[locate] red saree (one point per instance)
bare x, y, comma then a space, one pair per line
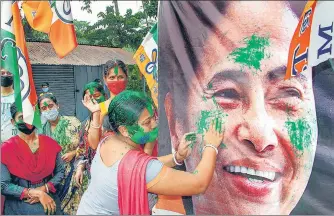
21, 162
132, 192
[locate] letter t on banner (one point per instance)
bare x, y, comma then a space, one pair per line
312, 42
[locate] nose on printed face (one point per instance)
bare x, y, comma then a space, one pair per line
257, 129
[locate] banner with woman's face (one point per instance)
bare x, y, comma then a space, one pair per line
227, 60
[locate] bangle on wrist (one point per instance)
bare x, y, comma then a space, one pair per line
96, 111
94, 126
175, 161
211, 146
47, 188
29, 195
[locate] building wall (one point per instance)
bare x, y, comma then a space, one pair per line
66, 83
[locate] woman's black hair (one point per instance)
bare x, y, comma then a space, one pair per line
126, 107
113, 63
95, 85
47, 95
13, 110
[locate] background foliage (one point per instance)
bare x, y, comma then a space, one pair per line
112, 30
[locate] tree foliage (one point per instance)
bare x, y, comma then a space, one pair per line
112, 30
115, 30
135, 80
150, 7
86, 6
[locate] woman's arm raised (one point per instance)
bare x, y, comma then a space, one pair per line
95, 127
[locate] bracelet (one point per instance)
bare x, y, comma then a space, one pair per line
47, 188
211, 146
96, 111
93, 126
29, 195
175, 161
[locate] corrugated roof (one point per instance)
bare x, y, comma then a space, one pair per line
43, 53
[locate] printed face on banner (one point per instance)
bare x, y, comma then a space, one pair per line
267, 154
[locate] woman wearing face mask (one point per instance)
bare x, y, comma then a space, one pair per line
31, 171
7, 98
45, 88
129, 174
115, 78
65, 130
85, 154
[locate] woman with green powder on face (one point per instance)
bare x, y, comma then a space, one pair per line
85, 154
65, 130
115, 77
94, 93
127, 170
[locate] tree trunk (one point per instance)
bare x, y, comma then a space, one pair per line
145, 13
116, 7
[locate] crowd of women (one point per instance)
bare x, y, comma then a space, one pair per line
106, 164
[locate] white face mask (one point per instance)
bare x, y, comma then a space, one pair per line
51, 115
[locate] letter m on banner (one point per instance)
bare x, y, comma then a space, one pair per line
312, 42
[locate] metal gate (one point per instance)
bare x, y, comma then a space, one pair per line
61, 80
83, 75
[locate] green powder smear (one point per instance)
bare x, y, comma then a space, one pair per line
210, 85
46, 104
300, 133
192, 138
91, 90
222, 146
206, 118
195, 172
150, 109
116, 71
252, 54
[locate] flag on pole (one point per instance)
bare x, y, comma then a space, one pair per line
146, 58
54, 18
312, 42
15, 59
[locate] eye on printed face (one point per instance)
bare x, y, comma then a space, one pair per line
270, 126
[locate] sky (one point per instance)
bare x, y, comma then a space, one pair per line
99, 6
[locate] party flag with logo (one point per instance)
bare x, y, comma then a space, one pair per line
312, 42
15, 59
54, 18
146, 58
